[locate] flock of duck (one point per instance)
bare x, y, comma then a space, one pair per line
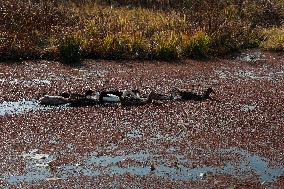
125, 97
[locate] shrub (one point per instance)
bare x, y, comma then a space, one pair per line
69, 50
198, 45
167, 51
108, 43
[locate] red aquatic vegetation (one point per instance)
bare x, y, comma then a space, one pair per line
248, 115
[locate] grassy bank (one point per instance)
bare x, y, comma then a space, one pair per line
71, 30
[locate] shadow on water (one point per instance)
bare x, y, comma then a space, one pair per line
37, 167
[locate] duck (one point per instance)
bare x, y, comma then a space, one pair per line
103, 97
53, 100
65, 94
206, 94
78, 100
136, 100
113, 92
111, 96
114, 96
88, 93
131, 93
188, 95
157, 96
182, 95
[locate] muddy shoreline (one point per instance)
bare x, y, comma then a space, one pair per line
236, 141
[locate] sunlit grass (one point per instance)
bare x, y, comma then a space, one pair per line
274, 39
198, 45
36, 29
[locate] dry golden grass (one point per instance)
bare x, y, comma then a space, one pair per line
143, 29
273, 39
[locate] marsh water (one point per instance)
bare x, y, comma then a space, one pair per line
169, 141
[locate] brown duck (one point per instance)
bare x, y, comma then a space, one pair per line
189, 95
78, 100
136, 100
